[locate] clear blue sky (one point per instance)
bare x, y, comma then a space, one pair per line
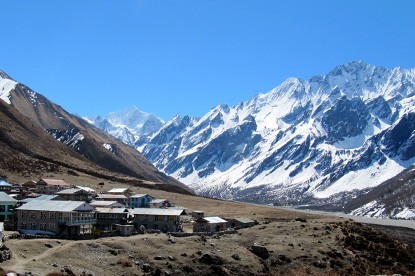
169, 57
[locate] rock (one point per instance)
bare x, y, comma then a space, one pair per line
172, 239
113, 252
203, 238
236, 257
146, 267
171, 258
183, 255
55, 265
320, 264
199, 252
301, 219
48, 245
260, 251
212, 244
211, 259
158, 258
69, 271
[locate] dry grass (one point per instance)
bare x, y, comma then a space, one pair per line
125, 262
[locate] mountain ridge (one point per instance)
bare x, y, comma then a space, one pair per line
91, 150
304, 140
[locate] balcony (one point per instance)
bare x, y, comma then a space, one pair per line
77, 222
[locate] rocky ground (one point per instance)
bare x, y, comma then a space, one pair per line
284, 242
279, 246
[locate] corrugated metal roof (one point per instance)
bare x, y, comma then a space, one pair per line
6, 198
111, 196
55, 182
244, 220
139, 195
54, 205
118, 190
158, 200
42, 197
86, 189
69, 191
112, 210
214, 220
103, 203
157, 211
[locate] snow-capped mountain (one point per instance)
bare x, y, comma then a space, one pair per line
129, 125
349, 130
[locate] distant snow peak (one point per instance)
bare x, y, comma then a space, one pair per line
130, 125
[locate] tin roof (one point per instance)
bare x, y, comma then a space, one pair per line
157, 211
4, 183
6, 198
139, 195
86, 189
112, 210
70, 191
58, 182
244, 220
119, 190
111, 196
158, 200
56, 205
104, 203
214, 220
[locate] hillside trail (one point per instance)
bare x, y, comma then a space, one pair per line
19, 263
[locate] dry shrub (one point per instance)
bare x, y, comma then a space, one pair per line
125, 262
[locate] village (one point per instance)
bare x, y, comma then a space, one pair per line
52, 207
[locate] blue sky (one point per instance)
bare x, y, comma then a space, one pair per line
185, 57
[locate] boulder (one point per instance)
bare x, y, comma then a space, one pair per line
260, 251
211, 259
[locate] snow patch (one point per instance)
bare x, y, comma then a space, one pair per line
6, 86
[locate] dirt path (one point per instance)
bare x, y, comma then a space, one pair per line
25, 257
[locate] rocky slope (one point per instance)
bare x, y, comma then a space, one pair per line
38, 135
335, 134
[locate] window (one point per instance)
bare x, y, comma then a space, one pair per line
112, 216
33, 214
2, 208
52, 226
24, 214
33, 225
2, 217
100, 215
23, 225
43, 215
52, 215
10, 207
166, 218
156, 218
42, 226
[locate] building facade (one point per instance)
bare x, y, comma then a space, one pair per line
107, 218
7, 204
55, 217
140, 200
166, 220
51, 186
